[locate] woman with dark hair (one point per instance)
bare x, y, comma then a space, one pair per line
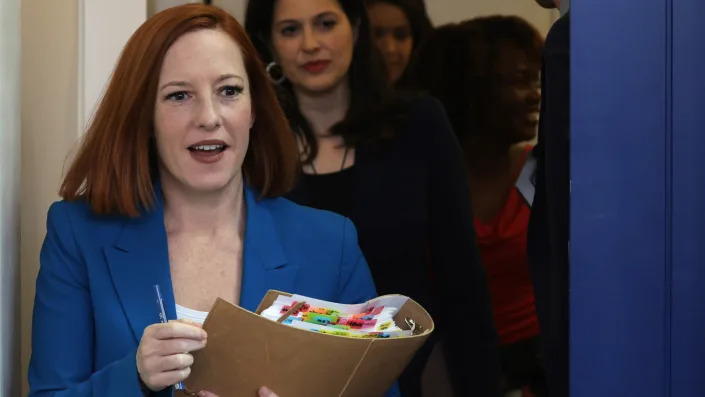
487, 74
398, 27
391, 165
177, 183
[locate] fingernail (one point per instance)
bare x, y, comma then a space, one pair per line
264, 392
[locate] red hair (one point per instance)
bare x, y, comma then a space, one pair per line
117, 162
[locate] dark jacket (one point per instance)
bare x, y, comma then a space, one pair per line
415, 225
549, 236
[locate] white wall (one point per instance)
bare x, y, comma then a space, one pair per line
236, 8
9, 196
104, 28
154, 6
446, 11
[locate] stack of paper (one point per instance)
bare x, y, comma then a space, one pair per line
366, 320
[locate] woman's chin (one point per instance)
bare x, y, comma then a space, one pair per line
317, 85
211, 186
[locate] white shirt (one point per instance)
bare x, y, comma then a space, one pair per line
190, 314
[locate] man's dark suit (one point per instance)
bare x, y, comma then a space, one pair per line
549, 224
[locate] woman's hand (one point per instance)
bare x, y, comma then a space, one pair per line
163, 357
262, 392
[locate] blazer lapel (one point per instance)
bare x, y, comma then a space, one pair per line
139, 260
264, 264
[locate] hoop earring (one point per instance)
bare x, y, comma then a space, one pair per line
275, 73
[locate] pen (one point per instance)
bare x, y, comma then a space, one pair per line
163, 320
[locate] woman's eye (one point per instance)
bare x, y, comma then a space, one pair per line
378, 33
230, 90
329, 23
402, 34
289, 30
177, 96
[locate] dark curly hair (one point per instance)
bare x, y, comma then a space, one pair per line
457, 62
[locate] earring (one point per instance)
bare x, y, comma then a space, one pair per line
274, 72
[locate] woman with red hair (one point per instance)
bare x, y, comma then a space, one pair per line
177, 184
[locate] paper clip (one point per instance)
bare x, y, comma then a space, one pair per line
416, 329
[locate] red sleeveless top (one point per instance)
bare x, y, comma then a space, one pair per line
502, 244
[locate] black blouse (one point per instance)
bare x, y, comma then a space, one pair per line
332, 192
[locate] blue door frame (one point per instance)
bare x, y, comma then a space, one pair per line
637, 198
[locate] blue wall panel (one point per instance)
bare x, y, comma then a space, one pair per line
620, 198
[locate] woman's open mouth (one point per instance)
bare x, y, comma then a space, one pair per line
207, 152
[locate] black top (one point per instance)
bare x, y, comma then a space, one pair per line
548, 235
332, 192
410, 204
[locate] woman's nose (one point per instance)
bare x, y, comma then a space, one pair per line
207, 117
310, 41
388, 45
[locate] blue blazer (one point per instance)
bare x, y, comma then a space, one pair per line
94, 294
